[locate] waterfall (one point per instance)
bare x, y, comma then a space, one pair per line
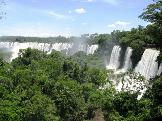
160, 70
14, 47
127, 59
91, 49
130, 81
148, 67
115, 57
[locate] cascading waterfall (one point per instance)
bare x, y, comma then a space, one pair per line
127, 59
114, 59
160, 69
79, 46
91, 49
130, 81
148, 67
14, 47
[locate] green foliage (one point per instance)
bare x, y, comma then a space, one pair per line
93, 61
69, 100
39, 108
125, 103
157, 91
40, 87
98, 77
153, 12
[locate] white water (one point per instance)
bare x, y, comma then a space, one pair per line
114, 59
127, 82
88, 49
14, 47
127, 59
160, 69
91, 49
148, 67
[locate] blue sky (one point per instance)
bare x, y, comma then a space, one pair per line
70, 17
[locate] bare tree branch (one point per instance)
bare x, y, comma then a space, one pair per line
2, 12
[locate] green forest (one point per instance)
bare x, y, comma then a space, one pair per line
37, 86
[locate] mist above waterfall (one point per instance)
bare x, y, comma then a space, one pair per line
5, 54
79, 44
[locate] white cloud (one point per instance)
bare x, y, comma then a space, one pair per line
111, 26
121, 25
84, 23
113, 2
80, 10
89, 0
84, 0
56, 15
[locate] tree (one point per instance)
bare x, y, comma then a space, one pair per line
40, 108
153, 13
26, 56
68, 98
